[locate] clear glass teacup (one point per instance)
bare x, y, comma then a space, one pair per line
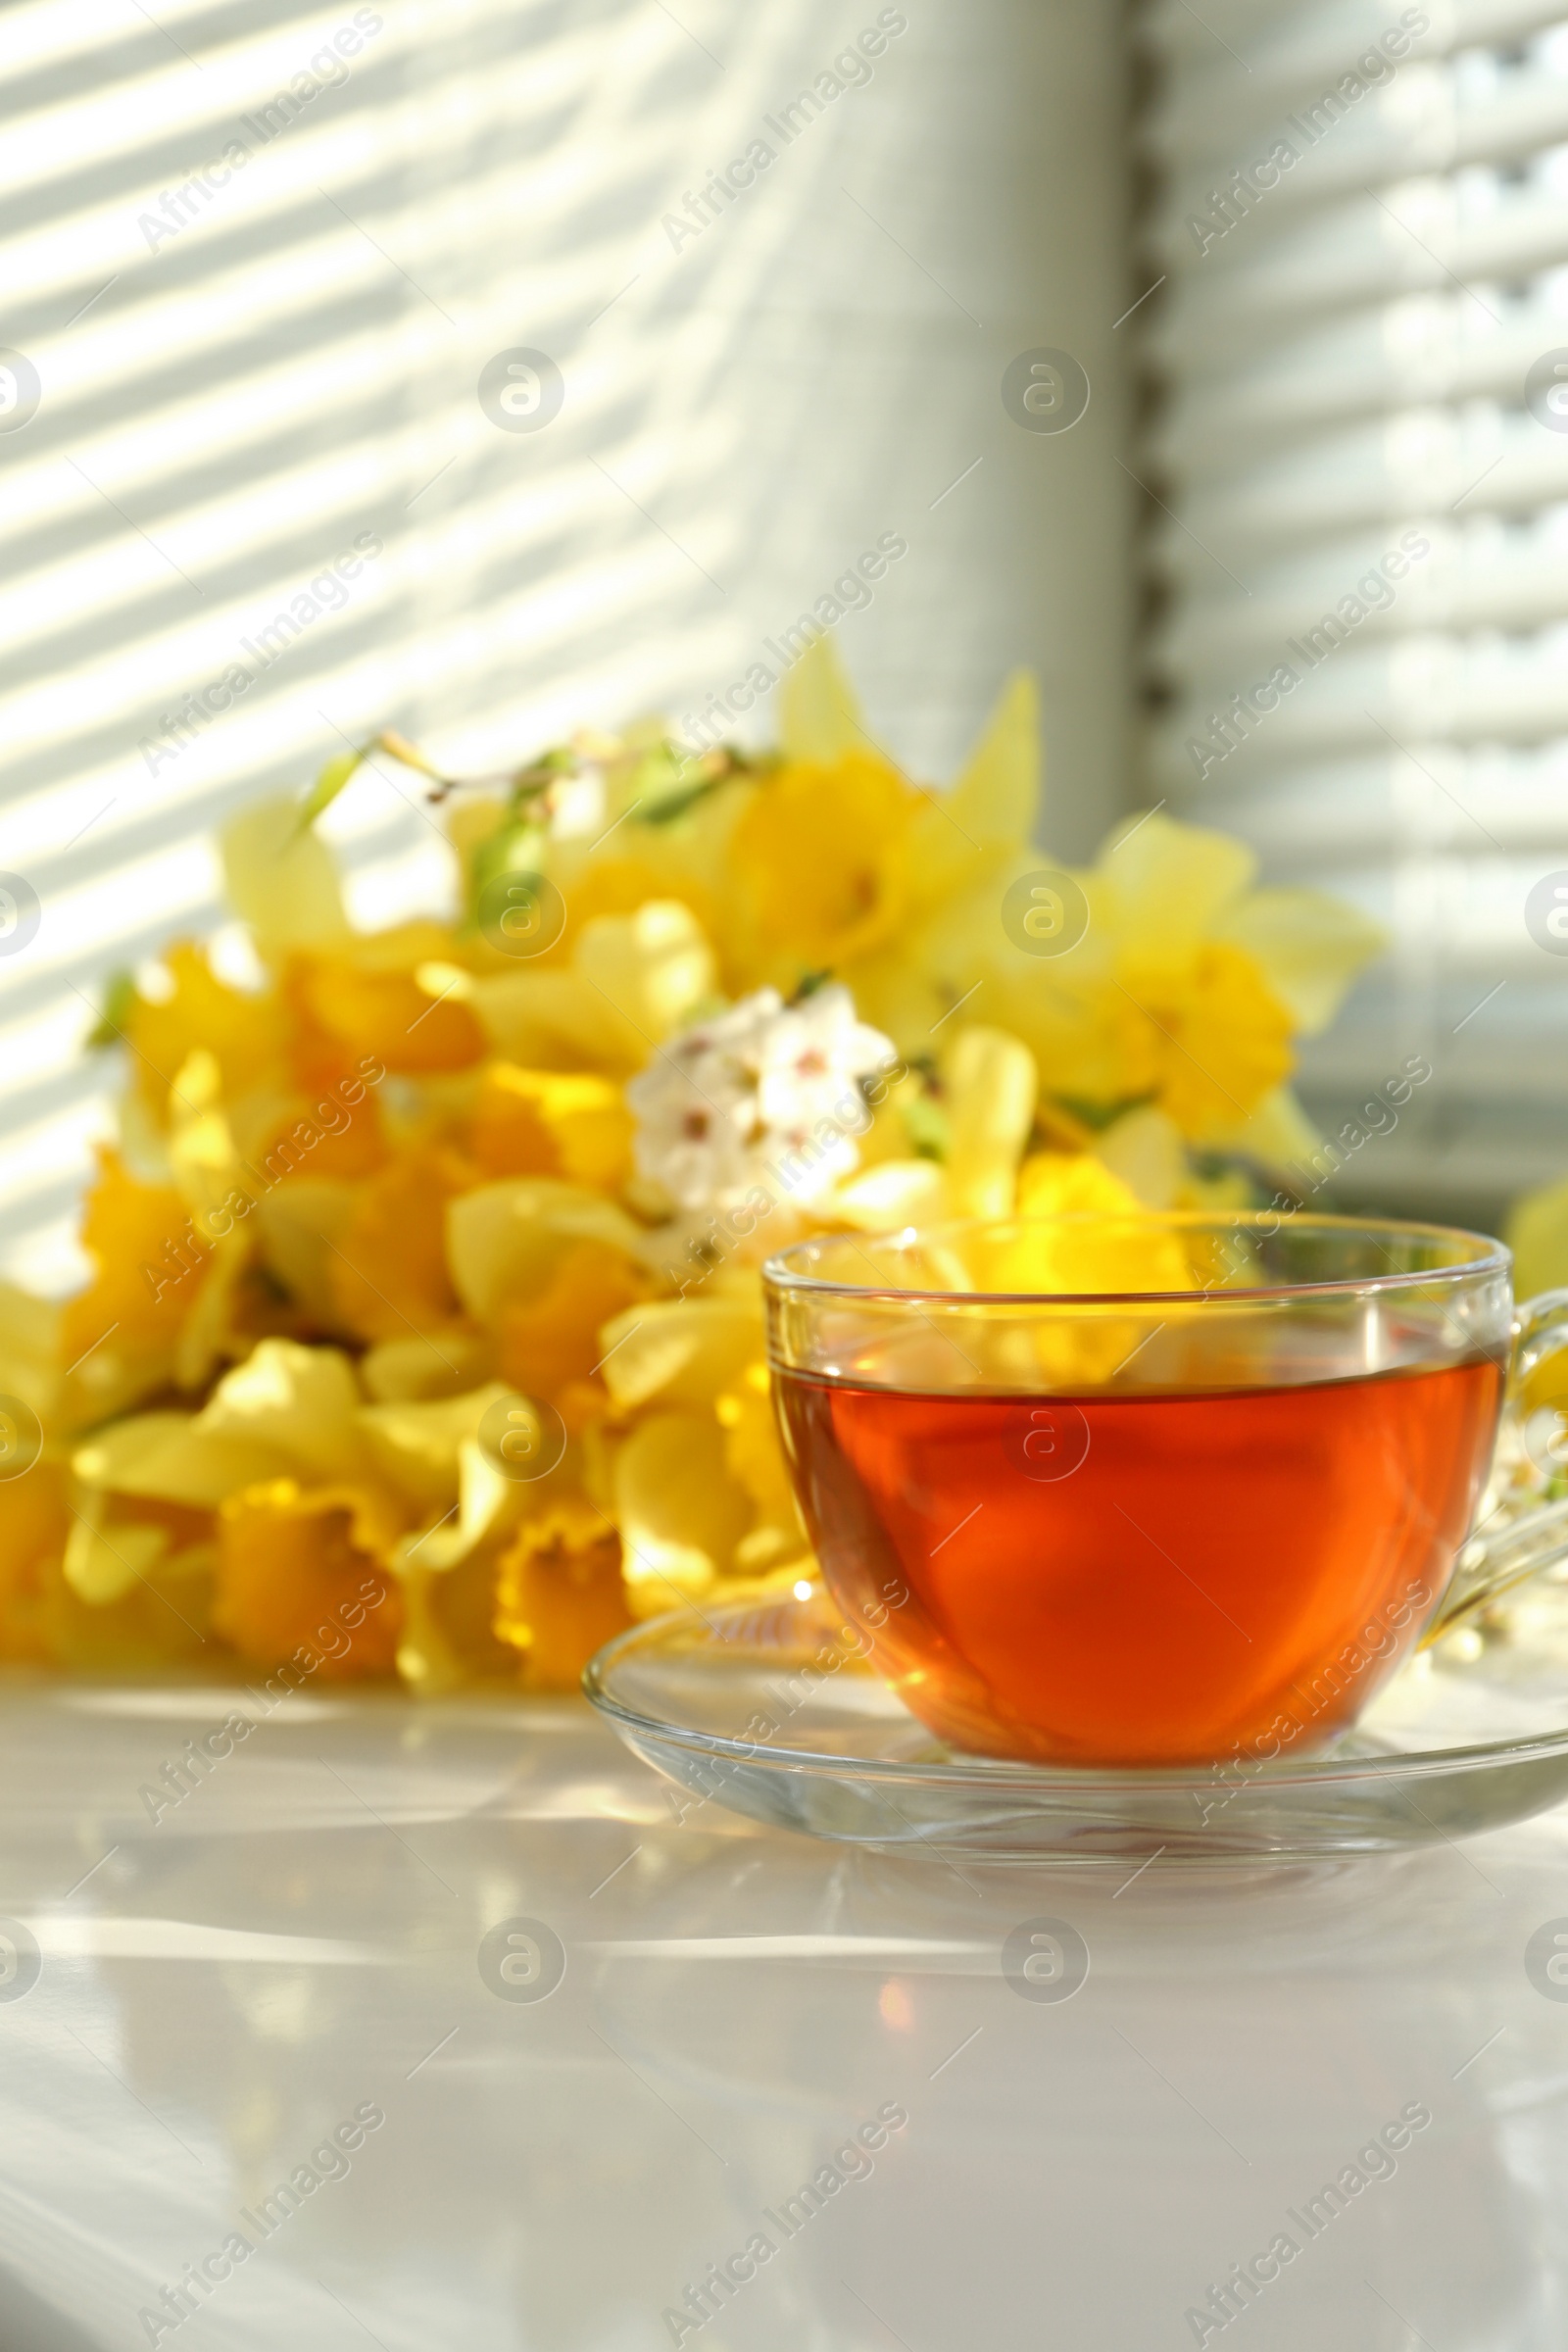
1154, 1489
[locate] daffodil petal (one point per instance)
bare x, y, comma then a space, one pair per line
488, 1502
1310, 947
1145, 1150
992, 1090
819, 717
29, 1349
210, 1336
303, 1569
430, 1660
281, 881
550, 1020
423, 1371
506, 1238
303, 1400
893, 1194
995, 801
681, 1511
103, 1565
571, 1124
1277, 1130
654, 967
165, 1457
635, 980
1172, 882
559, 1594
299, 1225
680, 1350
417, 1446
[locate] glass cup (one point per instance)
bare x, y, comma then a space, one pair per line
1152, 1488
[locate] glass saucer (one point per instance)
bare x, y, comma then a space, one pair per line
1466, 1737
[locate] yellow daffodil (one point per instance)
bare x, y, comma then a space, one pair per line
683, 1352
754, 1459
559, 1594
118, 1338
638, 824
989, 1092
366, 1002
245, 1035
30, 1352
413, 1178
141, 1623
418, 1445
302, 1569
1185, 989
551, 1123
633, 980
506, 1240
821, 860
281, 880
681, 1513
34, 1526
840, 863
549, 1342
390, 1275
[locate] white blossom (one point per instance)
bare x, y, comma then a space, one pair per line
767, 1094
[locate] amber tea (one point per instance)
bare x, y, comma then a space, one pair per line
1162, 1490
1146, 1578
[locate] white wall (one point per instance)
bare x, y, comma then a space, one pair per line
293, 368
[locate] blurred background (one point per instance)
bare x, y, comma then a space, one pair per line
1368, 347
267, 267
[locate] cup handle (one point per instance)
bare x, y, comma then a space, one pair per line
1508, 1545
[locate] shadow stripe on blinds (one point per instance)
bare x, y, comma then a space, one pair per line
300, 364
223, 415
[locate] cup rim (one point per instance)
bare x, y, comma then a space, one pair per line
782, 1274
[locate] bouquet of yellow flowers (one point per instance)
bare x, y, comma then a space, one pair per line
426, 1329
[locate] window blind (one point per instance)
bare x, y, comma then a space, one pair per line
1360, 218
257, 256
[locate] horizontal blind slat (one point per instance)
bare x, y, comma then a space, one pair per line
1325, 31
1344, 360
